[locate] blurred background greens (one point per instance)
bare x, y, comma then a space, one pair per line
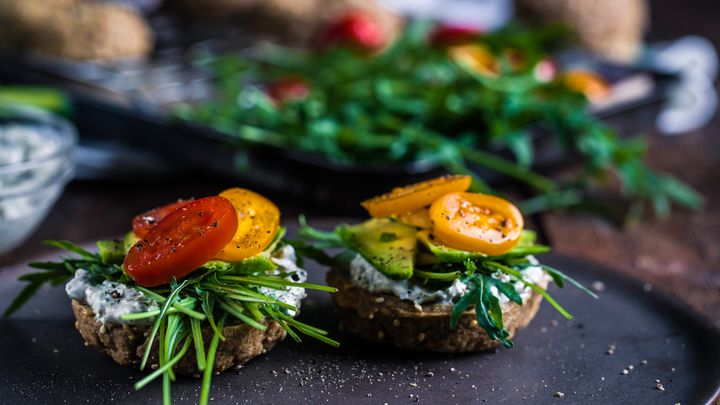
329, 102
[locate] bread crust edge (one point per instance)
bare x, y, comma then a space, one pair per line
385, 318
126, 343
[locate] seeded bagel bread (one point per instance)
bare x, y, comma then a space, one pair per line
74, 29
386, 318
125, 343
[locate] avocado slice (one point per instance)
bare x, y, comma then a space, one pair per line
110, 251
258, 264
129, 240
527, 238
388, 245
443, 253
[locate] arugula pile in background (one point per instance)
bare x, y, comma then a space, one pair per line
413, 103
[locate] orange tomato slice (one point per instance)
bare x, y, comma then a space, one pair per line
414, 196
419, 218
476, 222
258, 222
476, 58
592, 85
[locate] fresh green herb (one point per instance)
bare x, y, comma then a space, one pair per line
49, 99
412, 103
560, 278
435, 266
213, 296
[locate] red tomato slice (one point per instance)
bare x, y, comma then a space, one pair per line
142, 223
356, 29
182, 241
288, 88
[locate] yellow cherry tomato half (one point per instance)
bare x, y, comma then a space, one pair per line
414, 196
476, 223
476, 58
592, 85
258, 222
419, 218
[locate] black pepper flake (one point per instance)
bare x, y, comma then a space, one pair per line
215, 224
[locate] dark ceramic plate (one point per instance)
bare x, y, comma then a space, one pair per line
44, 361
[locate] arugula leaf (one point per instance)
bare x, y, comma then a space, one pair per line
489, 309
21, 298
463, 304
328, 239
71, 247
533, 286
304, 250
559, 278
507, 289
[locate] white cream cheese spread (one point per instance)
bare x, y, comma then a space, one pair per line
364, 275
284, 258
108, 300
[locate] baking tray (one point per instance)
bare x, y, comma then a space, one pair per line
126, 103
103, 117
654, 338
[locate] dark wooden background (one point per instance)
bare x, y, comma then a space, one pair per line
681, 254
